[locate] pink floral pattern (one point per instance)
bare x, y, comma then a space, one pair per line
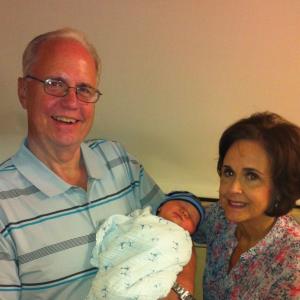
269, 270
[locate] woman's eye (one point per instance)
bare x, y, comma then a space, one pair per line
227, 172
252, 176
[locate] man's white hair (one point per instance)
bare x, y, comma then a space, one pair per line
30, 52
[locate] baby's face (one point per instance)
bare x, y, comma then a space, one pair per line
182, 213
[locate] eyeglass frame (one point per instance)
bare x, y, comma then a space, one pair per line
67, 88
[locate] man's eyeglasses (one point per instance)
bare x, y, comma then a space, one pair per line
58, 88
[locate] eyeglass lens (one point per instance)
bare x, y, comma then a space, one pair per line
60, 89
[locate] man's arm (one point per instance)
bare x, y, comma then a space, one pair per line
9, 279
186, 278
146, 191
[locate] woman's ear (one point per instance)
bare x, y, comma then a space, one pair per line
22, 91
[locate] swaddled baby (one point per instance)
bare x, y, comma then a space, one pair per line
140, 255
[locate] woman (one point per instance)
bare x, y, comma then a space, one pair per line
253, 246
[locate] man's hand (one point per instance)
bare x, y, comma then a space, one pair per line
186, 278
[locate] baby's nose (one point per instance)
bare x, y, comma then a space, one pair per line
183, 212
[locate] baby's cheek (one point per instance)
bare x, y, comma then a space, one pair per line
189, 226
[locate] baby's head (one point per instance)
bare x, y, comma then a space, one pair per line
182, 208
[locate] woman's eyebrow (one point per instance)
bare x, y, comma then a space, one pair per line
226, 166
249, 169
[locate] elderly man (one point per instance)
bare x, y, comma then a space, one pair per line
57, 189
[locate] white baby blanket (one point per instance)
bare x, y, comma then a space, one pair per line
138, 257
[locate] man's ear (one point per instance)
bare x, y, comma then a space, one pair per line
22, 91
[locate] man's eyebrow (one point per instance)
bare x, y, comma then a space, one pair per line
84, 84
56, 78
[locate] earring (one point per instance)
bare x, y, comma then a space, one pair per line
277, 200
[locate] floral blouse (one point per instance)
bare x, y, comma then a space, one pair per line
269, 270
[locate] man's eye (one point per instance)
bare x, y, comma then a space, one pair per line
85, 90
54, 83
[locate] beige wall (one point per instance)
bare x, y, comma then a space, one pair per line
175, 73
201, 257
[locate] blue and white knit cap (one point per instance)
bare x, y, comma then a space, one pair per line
188, 197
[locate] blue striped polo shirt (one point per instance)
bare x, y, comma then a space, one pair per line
47, 226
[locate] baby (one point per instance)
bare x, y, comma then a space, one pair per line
140, 255
182, 208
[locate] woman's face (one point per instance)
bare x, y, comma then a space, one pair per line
246, 183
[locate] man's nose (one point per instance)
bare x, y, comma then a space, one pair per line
71, 99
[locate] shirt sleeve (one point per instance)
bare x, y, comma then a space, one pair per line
286, 288
10, 286
287, 285
147, 192
150, 192
207, 228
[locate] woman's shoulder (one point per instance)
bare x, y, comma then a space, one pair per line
285, 236
215, 224
288, 227
215, 212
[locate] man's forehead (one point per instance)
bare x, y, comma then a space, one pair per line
63, 45
64, 49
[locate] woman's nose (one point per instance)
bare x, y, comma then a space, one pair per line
236, 186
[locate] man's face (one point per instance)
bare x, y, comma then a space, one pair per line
58, 121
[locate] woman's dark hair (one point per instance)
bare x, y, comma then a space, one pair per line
281, 140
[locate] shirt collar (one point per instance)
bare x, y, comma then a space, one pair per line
46, 180
91, 160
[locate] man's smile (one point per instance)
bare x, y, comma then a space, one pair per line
63, 119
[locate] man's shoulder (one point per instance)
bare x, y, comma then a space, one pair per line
113, 154
9, 176
109, 149
96, 144
7, 166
